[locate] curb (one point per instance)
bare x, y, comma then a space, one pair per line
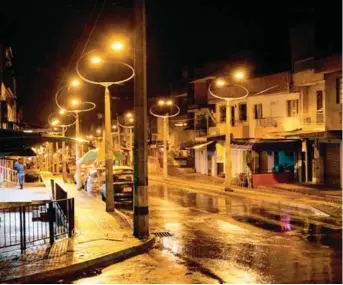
101, 261
214, 189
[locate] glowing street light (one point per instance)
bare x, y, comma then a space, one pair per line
96, 60
239, 75
75, 83
75, 102
129, 115
62, 111
131, 120
220, 83
165, 118
98, 131
114, 127
117, 46
55, 122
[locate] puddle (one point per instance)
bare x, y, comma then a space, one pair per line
259, 223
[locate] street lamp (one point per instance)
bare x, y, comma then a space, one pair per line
165, 107
117, 46
97, 61
128, 117
77, 107
75, 102
221, 83
64, 127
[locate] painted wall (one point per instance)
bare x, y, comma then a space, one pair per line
269, 179
333, 110
274, 109
312, 101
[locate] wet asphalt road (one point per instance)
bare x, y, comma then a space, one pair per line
229, 240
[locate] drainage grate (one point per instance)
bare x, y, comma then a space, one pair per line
162, 234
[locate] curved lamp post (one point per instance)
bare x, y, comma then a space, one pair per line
165, 116
108, 135
56, 123
130, 118
77, 108
220, 83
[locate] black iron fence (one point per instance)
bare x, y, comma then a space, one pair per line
43, 222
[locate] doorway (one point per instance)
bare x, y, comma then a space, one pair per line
309, 160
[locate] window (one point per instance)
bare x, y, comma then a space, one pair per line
339, 98
222, 114
320, 100
258, 111
292, 108
242, 112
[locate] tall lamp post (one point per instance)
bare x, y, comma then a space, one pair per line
221, 84
57, 123
96, 61
76, 107
166, 110
130, 118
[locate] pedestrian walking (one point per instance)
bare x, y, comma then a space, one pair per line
21, 173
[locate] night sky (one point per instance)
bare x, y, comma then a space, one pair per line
47, 37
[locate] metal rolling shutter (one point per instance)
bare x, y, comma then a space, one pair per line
332, 164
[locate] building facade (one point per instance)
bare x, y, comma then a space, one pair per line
10, 115
287, 130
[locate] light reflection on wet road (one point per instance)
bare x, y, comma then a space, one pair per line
231, 240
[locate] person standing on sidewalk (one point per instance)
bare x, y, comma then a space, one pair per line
21, 173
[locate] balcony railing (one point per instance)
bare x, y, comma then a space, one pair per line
282, 122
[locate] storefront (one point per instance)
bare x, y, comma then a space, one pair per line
265, 162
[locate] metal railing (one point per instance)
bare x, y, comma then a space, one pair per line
8, 175
280, 122
26, 225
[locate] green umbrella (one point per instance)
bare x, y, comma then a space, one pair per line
98, 155
118, 155
90, 156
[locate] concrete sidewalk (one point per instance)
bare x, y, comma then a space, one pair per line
319, 205
100, 239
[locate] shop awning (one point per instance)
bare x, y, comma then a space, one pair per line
253, 144
199, 146
242, 145
267, 145
19, 143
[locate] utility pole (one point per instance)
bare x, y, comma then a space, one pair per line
140, 200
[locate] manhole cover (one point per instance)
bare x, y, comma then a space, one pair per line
162, 234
